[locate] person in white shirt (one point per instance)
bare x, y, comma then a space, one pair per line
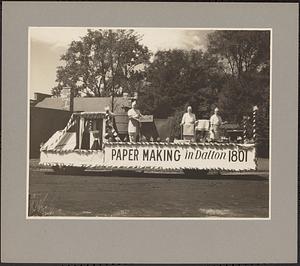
188, 124
134, 123
215, 123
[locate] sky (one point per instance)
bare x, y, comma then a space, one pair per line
47, 44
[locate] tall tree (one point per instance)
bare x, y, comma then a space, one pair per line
245, 56
241, 51
180, 77
103, 63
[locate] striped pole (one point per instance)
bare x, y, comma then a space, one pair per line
255, 108
245, 128
110, 127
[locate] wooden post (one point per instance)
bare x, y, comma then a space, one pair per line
77, 128
71, 100
103, 130
81, 129
140, 131
181, 131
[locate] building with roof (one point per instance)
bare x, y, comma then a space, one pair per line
52, 113
38, 97
87, 104
49, 114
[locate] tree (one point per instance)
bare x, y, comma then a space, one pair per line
103, 63
245, 56
241, 51
177, 78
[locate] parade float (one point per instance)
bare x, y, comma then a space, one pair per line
90, 141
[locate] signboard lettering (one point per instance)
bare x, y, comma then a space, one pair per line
231, 157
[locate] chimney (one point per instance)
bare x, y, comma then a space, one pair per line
38, 97
68, 98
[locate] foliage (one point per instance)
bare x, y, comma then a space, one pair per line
241, 51
103, 63
37, 206
245, 56
233, 74
177, 78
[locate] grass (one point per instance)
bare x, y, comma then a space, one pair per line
37, 206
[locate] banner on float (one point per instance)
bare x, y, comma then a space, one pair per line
235, 157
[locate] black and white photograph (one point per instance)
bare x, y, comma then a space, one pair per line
145, 123
149, 132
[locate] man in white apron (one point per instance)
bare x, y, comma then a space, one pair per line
134, 123
215, 123
188, 124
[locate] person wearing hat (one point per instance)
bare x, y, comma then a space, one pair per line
215, 123
188, 124
133, 123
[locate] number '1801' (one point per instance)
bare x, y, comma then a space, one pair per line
237, 156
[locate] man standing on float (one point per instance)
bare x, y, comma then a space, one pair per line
188, 124
134, 123
215, 123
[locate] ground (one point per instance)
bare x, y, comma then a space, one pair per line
130, 194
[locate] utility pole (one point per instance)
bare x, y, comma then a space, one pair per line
71, 100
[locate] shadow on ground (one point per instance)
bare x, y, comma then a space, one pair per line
173, 175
